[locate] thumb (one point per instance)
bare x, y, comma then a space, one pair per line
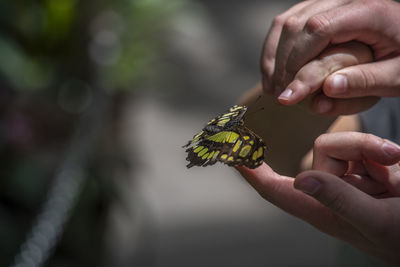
353, 205
372, 79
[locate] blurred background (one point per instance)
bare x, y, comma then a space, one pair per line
96, 100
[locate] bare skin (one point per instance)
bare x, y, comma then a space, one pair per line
320, 24
310, 80
352, 193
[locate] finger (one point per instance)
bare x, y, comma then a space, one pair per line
373, 79
333, 151
377, 171
365, 184
358, 176
268, 183
394, 179
354, 206
337, 25
386, 175
279, 191
270, 45
293, 25
311, 77
321, 104
357, 168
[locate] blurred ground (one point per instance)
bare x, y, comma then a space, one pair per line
204, 216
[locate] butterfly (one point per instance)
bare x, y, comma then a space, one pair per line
226, 139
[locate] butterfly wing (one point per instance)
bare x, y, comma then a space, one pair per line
218, 124
226, 120
234, 148
225, 139
247, 150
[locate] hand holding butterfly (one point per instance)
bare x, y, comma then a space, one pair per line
352, 193
301, 33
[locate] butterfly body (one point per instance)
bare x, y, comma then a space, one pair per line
226, 139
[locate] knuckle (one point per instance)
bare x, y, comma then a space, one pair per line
278, 21
264, 65
369, 138
292, 25
375, 6
369, 144
318, 25
320, 141
367, 79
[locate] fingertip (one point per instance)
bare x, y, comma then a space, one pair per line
336, 85
379, 150
260, 170
294, 93
260, 178
286, 96
372, 79
342, 198
391, 150
310, 181
307, 184
241, 169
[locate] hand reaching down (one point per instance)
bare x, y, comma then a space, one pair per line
303, 32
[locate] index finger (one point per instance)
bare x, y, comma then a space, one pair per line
311, 76
279, 190
333, 151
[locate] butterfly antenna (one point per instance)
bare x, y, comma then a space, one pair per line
253, 112
255, 101
257, 110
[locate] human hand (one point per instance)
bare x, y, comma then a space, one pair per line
310, 79
304, 31
352, 194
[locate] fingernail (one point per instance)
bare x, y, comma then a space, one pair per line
285, 95
308, 185
391, 149
339, 84
324, 105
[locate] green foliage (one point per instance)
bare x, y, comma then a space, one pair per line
139, 39
43, 41
23, 71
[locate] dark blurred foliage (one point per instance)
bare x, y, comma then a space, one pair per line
54, 56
